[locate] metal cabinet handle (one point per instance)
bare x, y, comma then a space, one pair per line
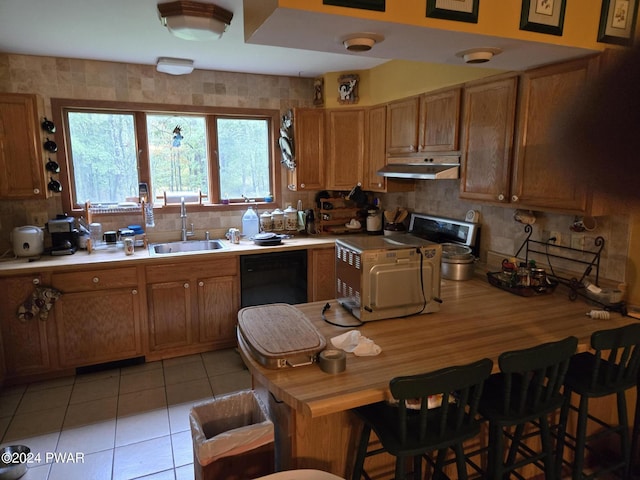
201, 284
36, 281
95, 279
302, 185
501, 197
186, 285
134, 292
36, 191
515, 198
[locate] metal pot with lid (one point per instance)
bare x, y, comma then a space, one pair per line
458, 262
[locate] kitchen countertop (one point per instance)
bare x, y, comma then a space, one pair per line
476, 320
117, 257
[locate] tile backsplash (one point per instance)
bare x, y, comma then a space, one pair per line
501, 233
52, 77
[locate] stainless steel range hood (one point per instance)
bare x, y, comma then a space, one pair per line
422, 168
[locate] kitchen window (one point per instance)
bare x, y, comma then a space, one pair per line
109, 148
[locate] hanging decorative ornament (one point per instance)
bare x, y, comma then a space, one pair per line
177, 136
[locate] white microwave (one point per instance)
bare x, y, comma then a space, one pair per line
382, 277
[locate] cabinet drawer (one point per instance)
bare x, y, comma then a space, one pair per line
220, 267
95, 279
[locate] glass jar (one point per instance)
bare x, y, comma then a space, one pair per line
524, 279
538, 277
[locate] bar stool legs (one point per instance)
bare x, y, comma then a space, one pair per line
611, 368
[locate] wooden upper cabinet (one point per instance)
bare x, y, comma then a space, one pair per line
439, 121
544, 93
309, 138
376, 149
402, 126
20, 148
488, 116
345, 148
426, 123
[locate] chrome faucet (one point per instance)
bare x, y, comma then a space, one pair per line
183, 215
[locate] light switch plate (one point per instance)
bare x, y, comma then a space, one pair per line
577, 241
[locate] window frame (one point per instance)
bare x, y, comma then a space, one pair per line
140, 110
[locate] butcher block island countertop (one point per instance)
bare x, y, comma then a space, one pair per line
476, 320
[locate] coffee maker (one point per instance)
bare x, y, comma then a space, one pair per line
64, 235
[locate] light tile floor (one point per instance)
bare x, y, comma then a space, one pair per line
122, 424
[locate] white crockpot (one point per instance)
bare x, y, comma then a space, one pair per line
28, 241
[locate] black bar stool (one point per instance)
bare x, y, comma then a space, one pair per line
611, 369
411, 429
525, 392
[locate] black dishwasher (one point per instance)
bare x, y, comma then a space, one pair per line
279, 277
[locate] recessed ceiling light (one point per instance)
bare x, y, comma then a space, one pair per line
479, 55
361, 42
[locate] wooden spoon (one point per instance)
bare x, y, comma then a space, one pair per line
402, 214
390, 215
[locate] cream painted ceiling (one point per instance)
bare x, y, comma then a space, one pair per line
290, 42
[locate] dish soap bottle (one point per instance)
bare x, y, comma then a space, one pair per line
250, 223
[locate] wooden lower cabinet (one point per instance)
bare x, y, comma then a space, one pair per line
321, 274
192, 306
97, 316
26, 344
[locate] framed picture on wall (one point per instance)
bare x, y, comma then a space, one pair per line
618, 21
543, 16
459, 10
348, 89
377, 5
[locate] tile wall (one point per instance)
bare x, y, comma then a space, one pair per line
52, 77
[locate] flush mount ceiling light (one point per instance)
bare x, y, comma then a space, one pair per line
174, 66
479, 55
361, 42
193, 20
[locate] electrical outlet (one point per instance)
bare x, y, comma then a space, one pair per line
557, 236
38, 219
577, 241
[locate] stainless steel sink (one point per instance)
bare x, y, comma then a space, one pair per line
188, 246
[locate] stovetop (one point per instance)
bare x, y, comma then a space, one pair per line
444, 230
423, 230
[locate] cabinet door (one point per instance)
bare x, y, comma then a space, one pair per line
376, 156
170, 314
402, 126
25, 344
487, 140
439, 121
20, 148
99, 326
218, 305
322, 274
345, 145
544, 93
308, 131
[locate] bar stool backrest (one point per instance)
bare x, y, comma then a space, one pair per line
617, 357
533, 377
464, 383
